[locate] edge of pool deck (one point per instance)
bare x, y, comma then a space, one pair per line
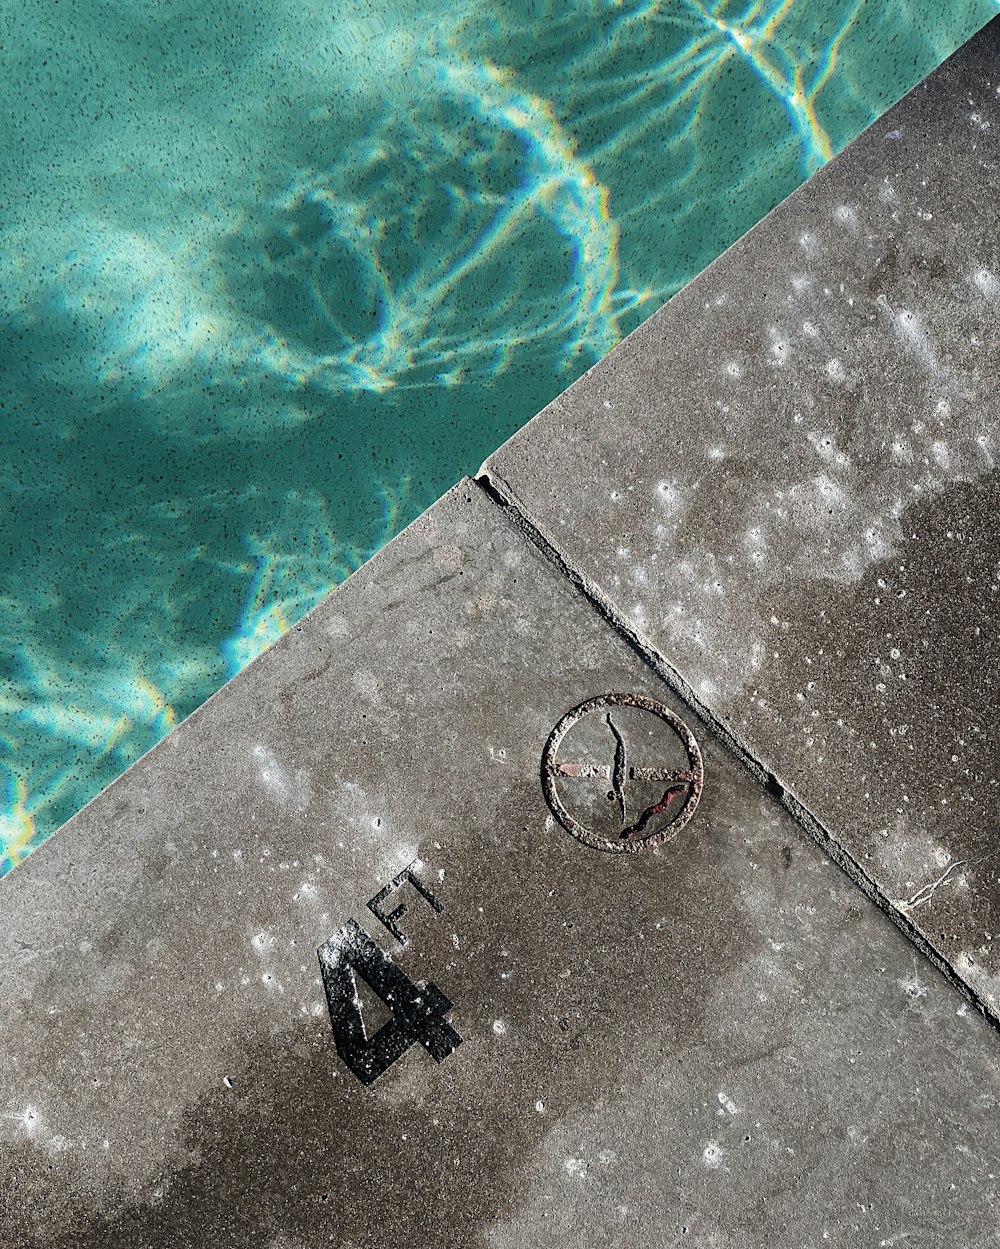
719, 1037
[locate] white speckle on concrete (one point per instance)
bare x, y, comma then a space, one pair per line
913, 986
911, 334
986, 282
291, 790
270, 772
846, 216
668, 495
728, 1104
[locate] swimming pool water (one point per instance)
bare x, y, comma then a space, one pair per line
274, 278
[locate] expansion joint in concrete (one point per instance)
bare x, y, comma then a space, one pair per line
505, 499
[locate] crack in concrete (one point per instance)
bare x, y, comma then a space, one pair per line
500, 492
926, 892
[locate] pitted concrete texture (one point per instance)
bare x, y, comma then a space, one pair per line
718, 1041
785, 482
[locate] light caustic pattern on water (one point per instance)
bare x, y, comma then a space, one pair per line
477, 214
275, 278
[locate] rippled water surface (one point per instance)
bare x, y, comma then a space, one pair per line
275, 276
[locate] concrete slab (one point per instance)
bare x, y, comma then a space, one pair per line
713, 1040
785, 482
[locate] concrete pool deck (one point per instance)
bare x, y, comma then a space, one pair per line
728, 606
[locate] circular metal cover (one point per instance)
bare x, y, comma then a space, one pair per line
622, 773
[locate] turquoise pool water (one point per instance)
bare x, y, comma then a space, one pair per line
274, 277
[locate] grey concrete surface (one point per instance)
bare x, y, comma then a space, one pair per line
785, 482
717, 1041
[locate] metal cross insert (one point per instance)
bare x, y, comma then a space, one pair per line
681, 783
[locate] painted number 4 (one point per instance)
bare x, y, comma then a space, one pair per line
417, 1014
